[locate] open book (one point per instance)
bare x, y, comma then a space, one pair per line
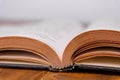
60, 45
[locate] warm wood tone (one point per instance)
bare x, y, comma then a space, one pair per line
19, 74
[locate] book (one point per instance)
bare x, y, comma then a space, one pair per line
60, 45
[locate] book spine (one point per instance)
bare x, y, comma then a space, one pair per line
61, 69
23, 66
78, 67
88, 68
94, 68
36, 67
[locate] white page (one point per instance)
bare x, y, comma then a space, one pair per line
57, 33
104, 24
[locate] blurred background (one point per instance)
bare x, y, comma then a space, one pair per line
84, 10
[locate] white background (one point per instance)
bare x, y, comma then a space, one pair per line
85, 10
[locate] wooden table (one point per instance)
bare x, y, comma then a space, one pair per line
21, 74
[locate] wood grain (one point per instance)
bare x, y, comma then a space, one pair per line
20, 74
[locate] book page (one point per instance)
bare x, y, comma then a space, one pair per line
104, 24
102, 61
56, 33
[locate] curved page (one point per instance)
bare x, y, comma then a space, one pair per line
55, 33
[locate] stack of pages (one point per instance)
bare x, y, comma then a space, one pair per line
60, 45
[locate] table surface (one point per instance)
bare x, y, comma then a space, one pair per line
21, 74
